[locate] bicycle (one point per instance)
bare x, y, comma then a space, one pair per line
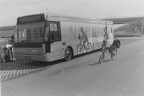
2, 59
112, 51
6, 54
2, 54
80, 48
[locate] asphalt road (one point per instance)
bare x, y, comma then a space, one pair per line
84, 76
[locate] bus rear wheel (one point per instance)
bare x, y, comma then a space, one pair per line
68, 54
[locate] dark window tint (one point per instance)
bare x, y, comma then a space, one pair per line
55, 31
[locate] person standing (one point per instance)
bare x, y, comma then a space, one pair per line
10, 47
84, 38
106, 36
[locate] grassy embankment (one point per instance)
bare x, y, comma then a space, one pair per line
3, 41
130, 29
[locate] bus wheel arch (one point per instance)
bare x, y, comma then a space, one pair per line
68, 53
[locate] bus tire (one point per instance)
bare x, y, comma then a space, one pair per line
68, 54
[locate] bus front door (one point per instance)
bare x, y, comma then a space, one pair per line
56, 43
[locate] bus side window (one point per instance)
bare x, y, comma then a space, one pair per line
55, 31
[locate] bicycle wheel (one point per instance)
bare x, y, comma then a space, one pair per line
79, 49
89, 47
114, 53
101, 59
2, 59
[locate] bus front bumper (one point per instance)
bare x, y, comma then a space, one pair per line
32, 57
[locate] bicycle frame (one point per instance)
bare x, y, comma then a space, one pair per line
112, 52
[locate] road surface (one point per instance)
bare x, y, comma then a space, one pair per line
84, 76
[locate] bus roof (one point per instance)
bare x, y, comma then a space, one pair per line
58, 17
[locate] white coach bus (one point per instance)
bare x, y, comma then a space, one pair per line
49, 37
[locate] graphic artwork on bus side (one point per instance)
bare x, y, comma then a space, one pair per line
84, 45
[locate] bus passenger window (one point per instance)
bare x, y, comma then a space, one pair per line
51, 27
55, 31
55, 27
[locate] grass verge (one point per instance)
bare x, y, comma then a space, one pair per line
127, 34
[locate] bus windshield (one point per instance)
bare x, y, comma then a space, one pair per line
30, 35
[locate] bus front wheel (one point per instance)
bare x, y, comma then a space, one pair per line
68, 54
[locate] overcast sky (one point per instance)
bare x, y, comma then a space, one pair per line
11, 9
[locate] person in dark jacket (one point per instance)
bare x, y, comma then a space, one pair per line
116, 43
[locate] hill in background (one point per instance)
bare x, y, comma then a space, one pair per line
123, 20
130, 29
131, 26
7, 31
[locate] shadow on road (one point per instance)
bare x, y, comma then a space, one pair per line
100, 63
22, 64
